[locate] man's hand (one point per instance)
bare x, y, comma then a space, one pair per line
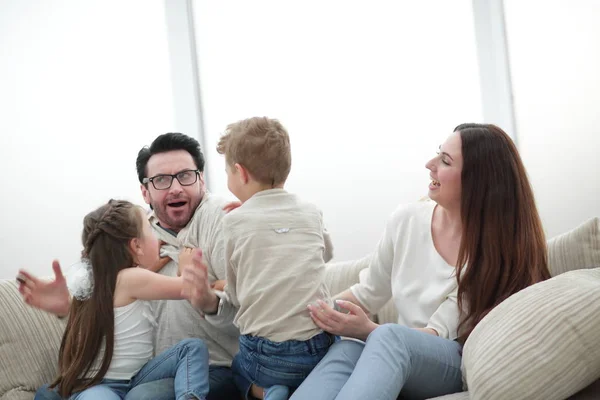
219, 285
355, 324
231, 206
49, 296
196, 288
185, 258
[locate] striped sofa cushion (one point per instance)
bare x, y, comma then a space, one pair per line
29, 343
541, 343
576, 249
500, 353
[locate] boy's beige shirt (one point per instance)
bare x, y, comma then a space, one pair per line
276, 247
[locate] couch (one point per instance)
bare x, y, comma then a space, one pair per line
30, 339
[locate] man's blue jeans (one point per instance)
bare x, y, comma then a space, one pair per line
281, 366
187, 362
394, 361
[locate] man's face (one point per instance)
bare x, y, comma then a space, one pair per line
174, 206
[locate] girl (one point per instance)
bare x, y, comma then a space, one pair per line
107, 346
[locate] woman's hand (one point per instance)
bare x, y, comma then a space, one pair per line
355, 324
50, 296
429, 331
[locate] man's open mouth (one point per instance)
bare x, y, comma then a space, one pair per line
177, 204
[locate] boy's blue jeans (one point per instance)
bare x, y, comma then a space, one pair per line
187, 362
268, 364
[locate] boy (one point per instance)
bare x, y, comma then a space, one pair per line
275, 251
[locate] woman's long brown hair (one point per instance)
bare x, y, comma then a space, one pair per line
107, 232
503, 247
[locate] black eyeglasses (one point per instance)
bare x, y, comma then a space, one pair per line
164, 181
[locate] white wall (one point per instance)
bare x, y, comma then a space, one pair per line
83, 86
367, 90
554, 52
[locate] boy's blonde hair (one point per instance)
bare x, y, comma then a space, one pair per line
261, 145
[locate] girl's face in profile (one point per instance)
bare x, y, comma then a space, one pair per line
148, 250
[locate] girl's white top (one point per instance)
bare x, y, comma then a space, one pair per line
134, 344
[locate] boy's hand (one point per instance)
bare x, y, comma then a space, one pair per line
49, 296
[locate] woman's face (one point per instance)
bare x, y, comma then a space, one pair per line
446, 170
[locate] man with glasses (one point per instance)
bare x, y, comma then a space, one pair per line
171, 174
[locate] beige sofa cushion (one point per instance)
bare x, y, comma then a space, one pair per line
340, 275
455, 396
541, 343
29, 343
576, 249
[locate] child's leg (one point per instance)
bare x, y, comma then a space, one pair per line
45, 393
107, 389
187, 362
277, 392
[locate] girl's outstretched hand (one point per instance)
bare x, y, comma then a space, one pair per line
196, 287
50, 296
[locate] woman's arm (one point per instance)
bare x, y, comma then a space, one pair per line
368, 296
347, 295
375, 287
446, 318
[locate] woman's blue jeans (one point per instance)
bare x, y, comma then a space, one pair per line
395, 361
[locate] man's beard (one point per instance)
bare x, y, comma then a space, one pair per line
176, 224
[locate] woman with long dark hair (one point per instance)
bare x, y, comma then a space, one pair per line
446, 262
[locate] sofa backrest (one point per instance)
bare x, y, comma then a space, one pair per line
578, 248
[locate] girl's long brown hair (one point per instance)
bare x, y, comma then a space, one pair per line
107, 232
503, 248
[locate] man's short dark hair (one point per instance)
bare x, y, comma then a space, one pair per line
169, 142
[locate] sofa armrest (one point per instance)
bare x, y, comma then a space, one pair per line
29, 344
